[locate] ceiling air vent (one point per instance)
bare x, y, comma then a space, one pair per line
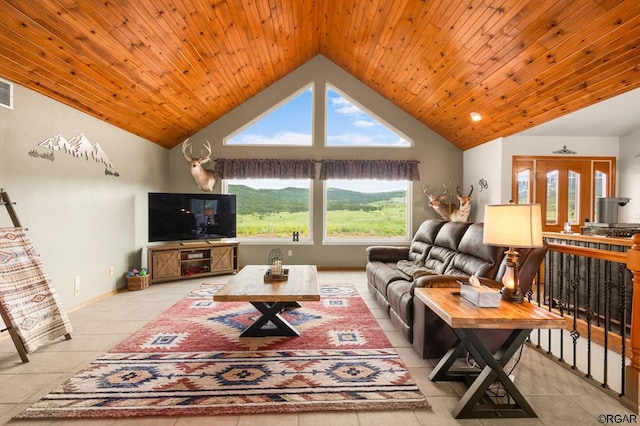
6, 94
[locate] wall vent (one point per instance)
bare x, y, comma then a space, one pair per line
6, 94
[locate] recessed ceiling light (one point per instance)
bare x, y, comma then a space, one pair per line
476, 116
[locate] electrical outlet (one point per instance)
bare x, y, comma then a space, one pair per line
76, 286
111, 271
290, 253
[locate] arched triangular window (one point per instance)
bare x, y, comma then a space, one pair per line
350, 124
288, 123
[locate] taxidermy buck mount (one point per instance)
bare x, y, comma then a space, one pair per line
438, 201
461, 214
204, 177
450, 211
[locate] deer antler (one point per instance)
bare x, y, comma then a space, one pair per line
186, 145
460, 194
445, 191
206, 158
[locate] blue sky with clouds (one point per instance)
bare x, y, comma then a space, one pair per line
290, 124
347, 125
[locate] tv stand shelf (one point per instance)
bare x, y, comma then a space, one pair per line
170, 262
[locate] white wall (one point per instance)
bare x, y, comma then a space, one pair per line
440, 161
484, 163
79, 220
629, 177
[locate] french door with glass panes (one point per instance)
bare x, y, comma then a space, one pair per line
565, 187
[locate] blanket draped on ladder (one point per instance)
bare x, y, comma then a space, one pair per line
28, 300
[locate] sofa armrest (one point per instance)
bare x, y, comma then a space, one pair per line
387, 253
437, 281
449, 281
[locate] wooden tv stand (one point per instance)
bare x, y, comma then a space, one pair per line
170, 262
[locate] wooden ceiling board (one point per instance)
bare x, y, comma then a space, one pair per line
537, 83
550, 91
27, 70
165, 69
470, 69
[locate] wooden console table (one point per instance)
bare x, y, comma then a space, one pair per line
466, 319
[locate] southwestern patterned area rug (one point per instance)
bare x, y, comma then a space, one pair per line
191, 361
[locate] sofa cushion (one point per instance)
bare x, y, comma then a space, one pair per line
413, 269
401, 307
380, 274
438, 259
445, 246
423, 240
474, 257
450, 234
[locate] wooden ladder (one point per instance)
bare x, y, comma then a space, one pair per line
6, 201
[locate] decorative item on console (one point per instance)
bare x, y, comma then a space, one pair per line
276, 272
204, 178
449, 211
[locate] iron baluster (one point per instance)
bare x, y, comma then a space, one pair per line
549, 296
562, 302
598, 292
589, 317
607, 321
572, 289
622, 308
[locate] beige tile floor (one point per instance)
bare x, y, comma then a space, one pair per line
558, 396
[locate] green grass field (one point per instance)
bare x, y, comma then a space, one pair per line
388, 222
351, 214
273, 225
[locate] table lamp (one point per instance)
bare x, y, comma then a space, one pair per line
512, 226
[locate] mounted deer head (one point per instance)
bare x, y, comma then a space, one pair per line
204, 178
438, 202
461, 214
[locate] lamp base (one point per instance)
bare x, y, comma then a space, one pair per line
513, 296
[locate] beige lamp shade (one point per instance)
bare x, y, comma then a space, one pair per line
513, 225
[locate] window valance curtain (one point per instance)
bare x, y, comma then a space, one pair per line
264, 169
370, 169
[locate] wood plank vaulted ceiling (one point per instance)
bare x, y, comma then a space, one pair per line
164, 69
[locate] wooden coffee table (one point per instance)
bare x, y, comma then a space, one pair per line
270, 298
466, 319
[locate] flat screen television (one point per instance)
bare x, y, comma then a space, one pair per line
184, 217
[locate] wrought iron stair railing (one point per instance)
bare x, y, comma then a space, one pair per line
591, 281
